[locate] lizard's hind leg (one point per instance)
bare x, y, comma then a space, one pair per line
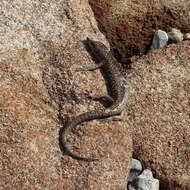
118, 117
104, 99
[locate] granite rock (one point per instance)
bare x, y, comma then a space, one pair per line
158, 113
41, 48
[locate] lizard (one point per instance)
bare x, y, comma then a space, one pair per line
117, 87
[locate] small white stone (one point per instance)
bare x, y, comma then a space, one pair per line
145, 182
135, 170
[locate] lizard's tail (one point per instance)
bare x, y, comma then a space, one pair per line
88, 116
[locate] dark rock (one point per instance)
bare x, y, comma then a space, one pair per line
130, 26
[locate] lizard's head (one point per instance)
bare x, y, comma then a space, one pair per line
97, 49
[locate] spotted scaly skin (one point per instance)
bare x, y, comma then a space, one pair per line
117, 87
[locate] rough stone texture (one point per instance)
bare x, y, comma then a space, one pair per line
145, 181
135, 169
159, 113
129, 26
40, 49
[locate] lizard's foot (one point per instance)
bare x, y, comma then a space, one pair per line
114, 118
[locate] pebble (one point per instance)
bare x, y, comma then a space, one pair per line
175, 36
187, 36
160, 39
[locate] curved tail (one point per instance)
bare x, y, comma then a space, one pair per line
88, 116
